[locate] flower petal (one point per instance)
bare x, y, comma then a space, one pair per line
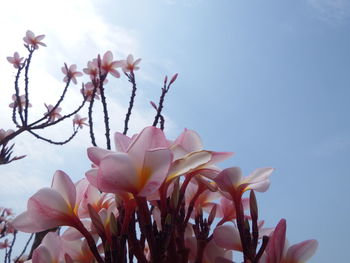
155, 169
149, 138
188, 162
229, 179
302, 251
63, 184
227, 236
121, 141
96, 154
117, 173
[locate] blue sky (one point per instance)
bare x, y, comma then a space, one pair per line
268, 80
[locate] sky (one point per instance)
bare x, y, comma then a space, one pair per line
268, 80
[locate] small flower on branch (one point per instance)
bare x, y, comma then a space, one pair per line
22, 101
109, 66
53, 113
92, 69
33, 41
71, 73
16, 60
130, 65
79, 121
88, 91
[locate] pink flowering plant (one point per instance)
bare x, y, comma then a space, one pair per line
148, 198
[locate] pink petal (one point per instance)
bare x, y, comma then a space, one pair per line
121, 141
49, 208
227, 236
25, 223
302, 251
41, 255
229, 179
190, 141
189, 162
91, 176
276, 242
117, 173
258, 175
107, 57
115, 73
63, 184
155, 169
219, 157
96, 154
149, 138
54, 244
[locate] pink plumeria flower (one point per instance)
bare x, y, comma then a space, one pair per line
22, 101
89, 194
139, 171
130, 65
277, 249
4, 134
88, 91
71, 73
16, 60
79, 121
204, 201
189, 156
53, 115
232, 184
50, 207
33, 41
109, 66
50, 250
92, 69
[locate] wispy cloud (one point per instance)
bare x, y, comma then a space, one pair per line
335, 12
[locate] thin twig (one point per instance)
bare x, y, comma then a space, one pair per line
53, 142
105, 112
131, 78
26, 81
25, 248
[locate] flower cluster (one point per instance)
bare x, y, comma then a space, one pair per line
150, 198
186, 208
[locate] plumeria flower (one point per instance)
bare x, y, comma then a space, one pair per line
139, 171
205, 199
227, 236
232, 184
50, 207
88, 91
79, 121
22, 101
92, 69
130, 65
277, 249
50, 250
53, 115
189, 156
4, 134
33, 41
71, 73
109, 66
16, 60
89, 194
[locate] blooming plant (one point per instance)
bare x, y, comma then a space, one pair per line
150, 198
